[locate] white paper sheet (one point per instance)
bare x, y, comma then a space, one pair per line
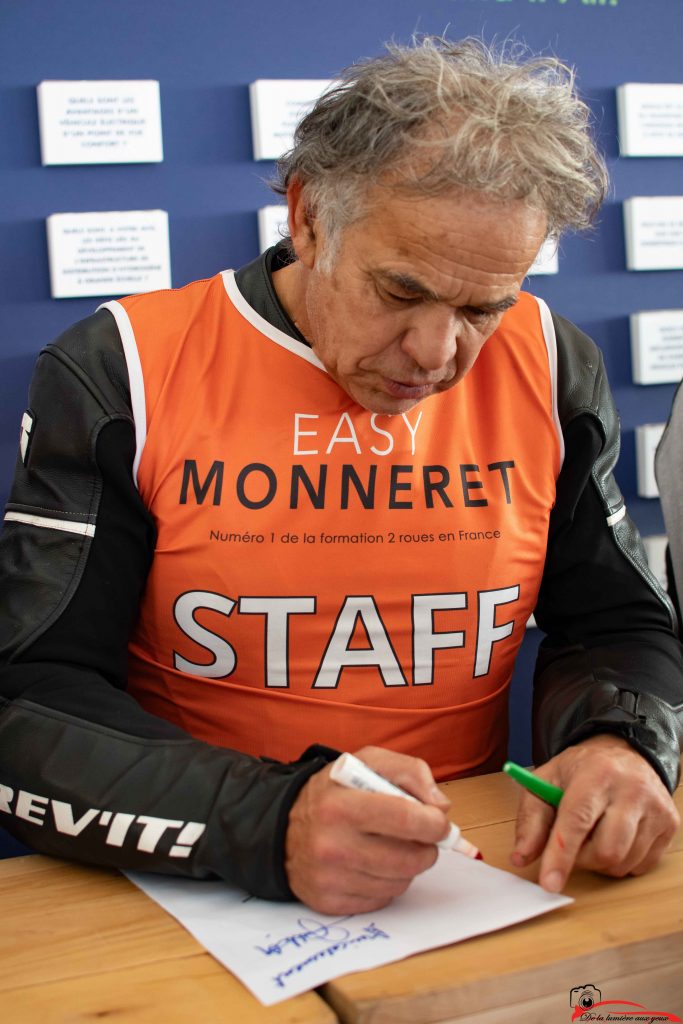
281, 949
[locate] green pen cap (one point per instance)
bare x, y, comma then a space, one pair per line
539, 787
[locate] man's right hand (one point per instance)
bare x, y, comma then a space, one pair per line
349, 851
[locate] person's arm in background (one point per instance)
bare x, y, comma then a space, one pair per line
85, 772
608, 691
668, 466
671, 587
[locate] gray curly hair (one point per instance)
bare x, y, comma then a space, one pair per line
439, 116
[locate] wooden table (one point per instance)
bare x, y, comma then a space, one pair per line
80, 945
83, 945
624, 936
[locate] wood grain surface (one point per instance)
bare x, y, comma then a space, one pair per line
84, 945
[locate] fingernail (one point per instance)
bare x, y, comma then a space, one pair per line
553, 881
518, 859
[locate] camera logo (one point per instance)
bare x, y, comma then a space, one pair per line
584, 996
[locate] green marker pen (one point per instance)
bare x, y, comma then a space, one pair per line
539, 787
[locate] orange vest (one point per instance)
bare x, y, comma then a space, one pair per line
323, 573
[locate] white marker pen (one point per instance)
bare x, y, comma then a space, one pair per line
353, 773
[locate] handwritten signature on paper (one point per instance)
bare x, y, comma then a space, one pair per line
334, 937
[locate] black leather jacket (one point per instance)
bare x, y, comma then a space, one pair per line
85, 773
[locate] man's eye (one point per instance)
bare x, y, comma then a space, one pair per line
392, 297
474, 313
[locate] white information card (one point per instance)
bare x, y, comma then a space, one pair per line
650, 118
277, 106
281, 949
113, 253
547, 260
655, 549
272, 225
657, 346
100, 122
648, 436
653, 227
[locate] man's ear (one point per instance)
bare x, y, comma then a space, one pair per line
301, 224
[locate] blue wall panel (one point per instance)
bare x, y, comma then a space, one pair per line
204, 54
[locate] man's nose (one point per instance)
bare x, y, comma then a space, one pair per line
431, 338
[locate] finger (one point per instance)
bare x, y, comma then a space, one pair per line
410, 773
652, 857
353, 904
532, 828
334, 892
393, 816
351, 896
380, 857
577, 815
370, 872
616, 842
624, 844
375, 856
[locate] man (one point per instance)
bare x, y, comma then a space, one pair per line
315, 502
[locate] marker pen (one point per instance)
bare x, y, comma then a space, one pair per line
353, 773
539, 787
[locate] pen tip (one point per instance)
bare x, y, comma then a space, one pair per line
479, 855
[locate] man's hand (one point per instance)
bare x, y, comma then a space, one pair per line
349, 851
616, 815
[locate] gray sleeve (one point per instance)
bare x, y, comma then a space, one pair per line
669, 474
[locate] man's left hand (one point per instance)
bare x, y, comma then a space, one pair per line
616, 815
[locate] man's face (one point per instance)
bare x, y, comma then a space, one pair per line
416, 289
